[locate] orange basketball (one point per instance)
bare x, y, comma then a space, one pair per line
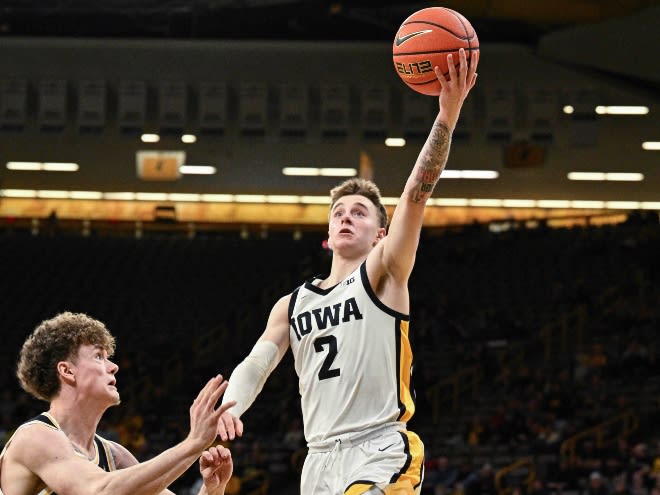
423, 42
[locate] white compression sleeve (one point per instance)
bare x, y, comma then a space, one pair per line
249, 376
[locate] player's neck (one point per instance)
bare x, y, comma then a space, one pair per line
78, 422
340, 269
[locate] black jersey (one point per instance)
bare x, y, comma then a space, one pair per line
102, 454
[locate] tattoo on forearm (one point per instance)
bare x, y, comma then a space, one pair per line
430, 163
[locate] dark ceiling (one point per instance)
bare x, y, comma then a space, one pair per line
520, 21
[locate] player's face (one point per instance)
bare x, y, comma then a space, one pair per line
95, 374
354, 225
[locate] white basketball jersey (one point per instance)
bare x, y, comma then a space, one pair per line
352, 356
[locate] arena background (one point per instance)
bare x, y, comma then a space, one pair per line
542, 319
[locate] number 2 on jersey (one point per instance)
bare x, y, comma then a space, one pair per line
331, 341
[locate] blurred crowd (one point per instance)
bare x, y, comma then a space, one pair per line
183, 309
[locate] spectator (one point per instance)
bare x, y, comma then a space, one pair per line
444, 476
481, 482
620, 486
597, 485
616, 459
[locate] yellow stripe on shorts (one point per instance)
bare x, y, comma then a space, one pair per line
412, 471
405, 363
408, 481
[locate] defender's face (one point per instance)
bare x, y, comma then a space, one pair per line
354, 225
95, 374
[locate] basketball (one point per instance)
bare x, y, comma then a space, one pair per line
423, 42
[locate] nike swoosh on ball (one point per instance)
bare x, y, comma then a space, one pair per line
400, 41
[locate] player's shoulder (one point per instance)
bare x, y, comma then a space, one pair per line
36, 438
285, 299
281, 307
122, 456
37, 428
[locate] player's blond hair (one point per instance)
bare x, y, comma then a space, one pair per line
363, 187
55, 340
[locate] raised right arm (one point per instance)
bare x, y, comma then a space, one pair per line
249, 377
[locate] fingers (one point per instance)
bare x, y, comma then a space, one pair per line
216, 467
221, 452
229, 427
472, 71
226, 406
451, 66
463, 65
212, 384
474, 81
474, 62
441, 78
238, 426
213, 456
216, 393
207, 459
227, 421
209, 395
463, 78
226, 427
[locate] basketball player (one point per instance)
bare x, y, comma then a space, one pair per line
66, 362
349, 331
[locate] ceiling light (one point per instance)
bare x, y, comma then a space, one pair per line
197, 169
306, 171
150, 138
338, 172
622, 110
518, 203
611, 176
450, 201
469, 174
249, 198
120, 196
85, 194
622, 205
586, 176
52, 194
588, 204
651, 145
19, 193
24, 165
315, 200
486, 203
450, 174
553, 203
150, 196
48, 166
188, 138
479, 174
314, 172
395, 142
624, 176
282, 199
191, 197
60, 167
217, 198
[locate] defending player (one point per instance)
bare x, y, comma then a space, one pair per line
66, 362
